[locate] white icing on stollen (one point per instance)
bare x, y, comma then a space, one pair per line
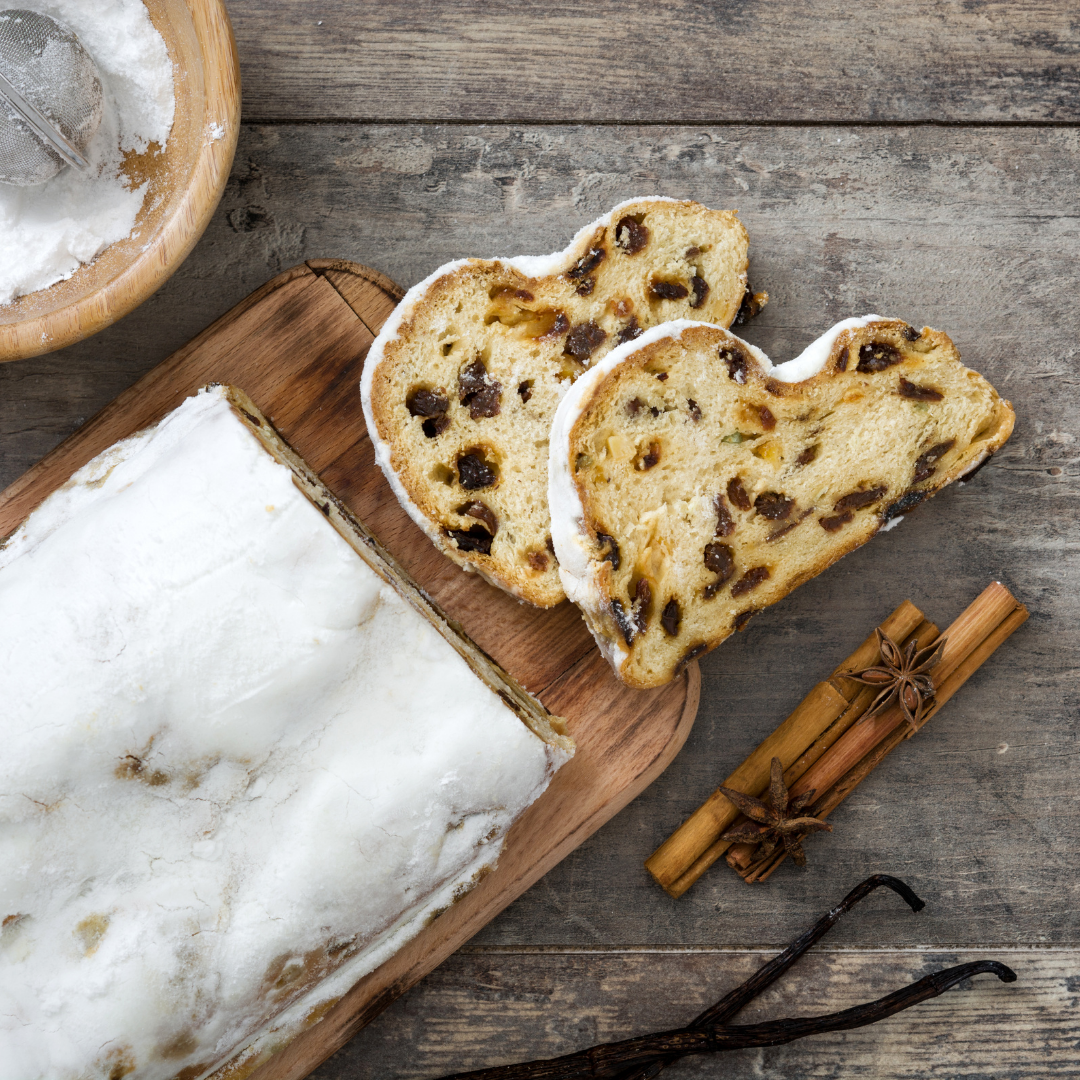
229, 745
574, 545
389, 332
814, 357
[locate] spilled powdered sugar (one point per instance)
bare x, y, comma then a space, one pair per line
48, 231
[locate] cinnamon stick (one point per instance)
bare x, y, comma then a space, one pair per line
845, 752
973, 661
975, 632
985, 613
925, 632
695, 845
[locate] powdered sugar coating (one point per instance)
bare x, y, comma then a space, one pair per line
229, 745
390, 332
814, 357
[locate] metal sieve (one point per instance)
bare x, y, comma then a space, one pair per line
50, 98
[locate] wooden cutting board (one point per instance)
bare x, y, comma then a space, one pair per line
297, 346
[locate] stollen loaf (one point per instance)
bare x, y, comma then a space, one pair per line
244, 760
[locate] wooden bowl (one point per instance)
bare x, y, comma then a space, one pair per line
186, 184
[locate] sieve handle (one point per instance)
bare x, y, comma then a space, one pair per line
39, 123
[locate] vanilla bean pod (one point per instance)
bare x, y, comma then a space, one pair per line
742, 995
609, 1059
646, 1055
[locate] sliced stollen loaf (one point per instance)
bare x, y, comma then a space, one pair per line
461, 385
693, 483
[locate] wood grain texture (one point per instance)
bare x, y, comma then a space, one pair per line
486, 1008
682, 60
185, 183
297, 348
971, 231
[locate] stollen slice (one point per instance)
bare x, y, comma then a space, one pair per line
693, 483
460, 387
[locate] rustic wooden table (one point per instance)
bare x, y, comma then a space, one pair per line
917, 160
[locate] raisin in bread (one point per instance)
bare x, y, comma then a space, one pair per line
461, 385
692, 483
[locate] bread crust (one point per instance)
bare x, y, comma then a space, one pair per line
888, 418
534, 324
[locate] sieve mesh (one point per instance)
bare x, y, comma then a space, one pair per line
46, 63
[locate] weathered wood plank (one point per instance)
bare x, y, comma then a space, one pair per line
679, 61
974, 232
482, 1009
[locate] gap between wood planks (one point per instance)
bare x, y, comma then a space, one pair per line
345, 121
754, 950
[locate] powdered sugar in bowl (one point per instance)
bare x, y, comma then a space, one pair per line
112, 242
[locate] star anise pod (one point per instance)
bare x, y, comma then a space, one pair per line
902, 676
778, 820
